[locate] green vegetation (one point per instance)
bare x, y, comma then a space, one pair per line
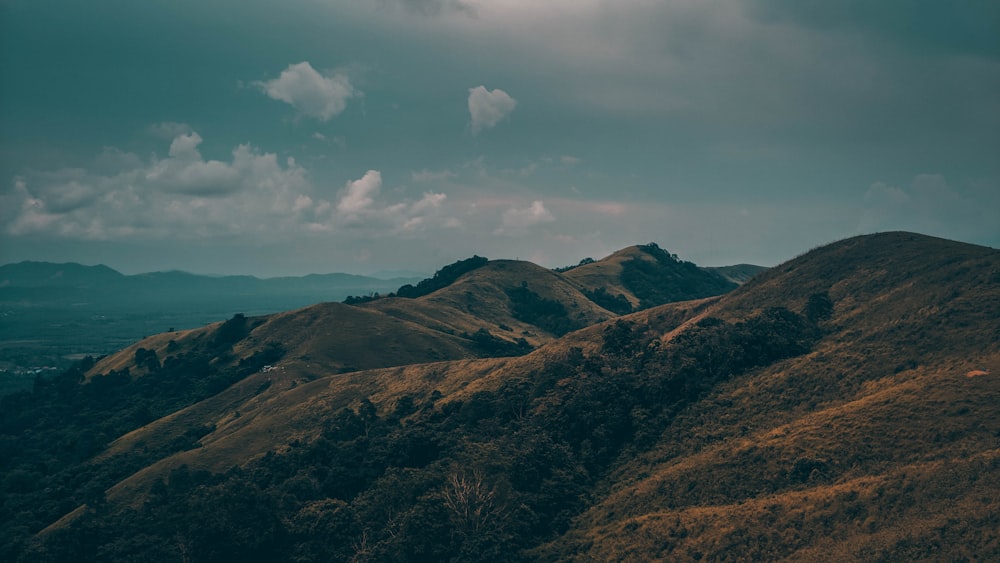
547, 314
495, 347
616, 303
667, 279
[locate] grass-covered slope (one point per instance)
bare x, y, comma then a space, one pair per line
879, 444
640, 277
840, 406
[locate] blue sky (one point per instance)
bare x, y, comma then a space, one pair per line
334, 135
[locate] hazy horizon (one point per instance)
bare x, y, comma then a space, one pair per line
240, 138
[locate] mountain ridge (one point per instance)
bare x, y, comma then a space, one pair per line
814, 410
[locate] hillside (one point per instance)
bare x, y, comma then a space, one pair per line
840, 406
646, 276
509, 298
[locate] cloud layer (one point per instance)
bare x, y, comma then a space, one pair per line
185, 196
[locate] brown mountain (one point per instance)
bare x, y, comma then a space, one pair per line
840, 406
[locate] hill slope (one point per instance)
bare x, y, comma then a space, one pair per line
646, 276
839, 406
876, 445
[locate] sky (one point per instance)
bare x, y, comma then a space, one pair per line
268, 138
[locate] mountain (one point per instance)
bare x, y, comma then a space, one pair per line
47, 274
840, 406
102, 279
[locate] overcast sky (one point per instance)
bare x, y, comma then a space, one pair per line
300, 136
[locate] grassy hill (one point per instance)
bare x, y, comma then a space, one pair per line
875, 445
840, 406
640, 277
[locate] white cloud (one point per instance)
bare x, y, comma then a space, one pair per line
358, 195
360, 207
487, 108
515, 220
316, 95
181, 196
184, 197
185, 146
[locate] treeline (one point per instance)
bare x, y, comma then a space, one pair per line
487, 478
440, 280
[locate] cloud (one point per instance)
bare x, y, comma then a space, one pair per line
361, 208
487, 108
186, 197
515, 220
186, 172
185, 146
316, 95
358, 195
181, 196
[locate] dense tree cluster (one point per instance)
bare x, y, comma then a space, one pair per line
547, 314
614, 302
496, 347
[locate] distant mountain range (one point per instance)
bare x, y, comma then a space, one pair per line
176, 285
51, 312
840, 406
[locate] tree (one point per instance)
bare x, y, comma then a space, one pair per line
819, 307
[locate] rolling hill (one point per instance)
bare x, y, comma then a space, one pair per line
840, 406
